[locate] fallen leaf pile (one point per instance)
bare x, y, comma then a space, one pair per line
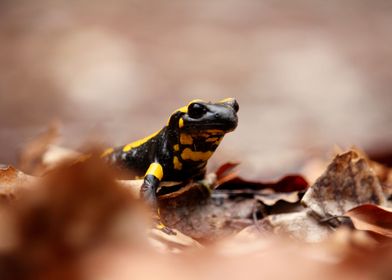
48, 226
76, 221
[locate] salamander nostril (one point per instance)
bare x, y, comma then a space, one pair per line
217, 115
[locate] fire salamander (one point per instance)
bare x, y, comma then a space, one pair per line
181, 149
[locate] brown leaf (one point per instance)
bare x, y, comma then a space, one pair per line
347, 243
225, 168
175, 243
11, 180
56, 155
372, 218
381, 169
347, 182
289, 183
32, 154
299, 225
195, 213
382, 156
271, 198
225, 173
11, 177
67, 214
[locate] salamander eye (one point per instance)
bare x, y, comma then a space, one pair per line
196, 110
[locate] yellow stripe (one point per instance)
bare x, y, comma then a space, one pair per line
195, 156
177, 164
212, 139
215, 132
156, 170
217, 142
107, 152
205, 135
196, 100
186, 139
226, 100
138, 143
183, 109
176, 147
160, 226
180, 123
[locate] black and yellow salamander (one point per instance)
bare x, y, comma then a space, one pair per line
181, 149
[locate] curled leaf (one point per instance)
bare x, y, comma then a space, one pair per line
12, 179
290, 183
225, 168
225, 173
31, 158
372, 218
348, 182
271, 198
298, 225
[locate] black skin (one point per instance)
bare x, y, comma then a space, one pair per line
202, 122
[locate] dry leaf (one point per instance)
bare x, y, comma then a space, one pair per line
383, 171
347, 183
299, 225
270, 198
225, 173
346, 243
195, 213
66, 214
289, 183
175, 243
372, 218
13, 180
55, 155
31, 159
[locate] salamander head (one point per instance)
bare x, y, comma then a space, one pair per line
199, 116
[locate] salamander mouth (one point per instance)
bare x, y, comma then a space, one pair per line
225, 127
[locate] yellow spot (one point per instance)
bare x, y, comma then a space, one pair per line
215, 131
217, 142
183, 109
160, 226
156, 170
177, 164
138, 143
83, 158
107, 152
226, 100
212, 139
186, 139
204, 135
195, 156
176, 147
180, 123
196, 100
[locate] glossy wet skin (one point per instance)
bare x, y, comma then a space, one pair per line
202, 115
181, 149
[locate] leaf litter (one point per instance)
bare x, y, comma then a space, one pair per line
76, 219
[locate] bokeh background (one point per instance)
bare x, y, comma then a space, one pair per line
307, 74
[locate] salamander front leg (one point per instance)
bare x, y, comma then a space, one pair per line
152, 178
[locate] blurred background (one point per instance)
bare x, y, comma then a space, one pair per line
308, 75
